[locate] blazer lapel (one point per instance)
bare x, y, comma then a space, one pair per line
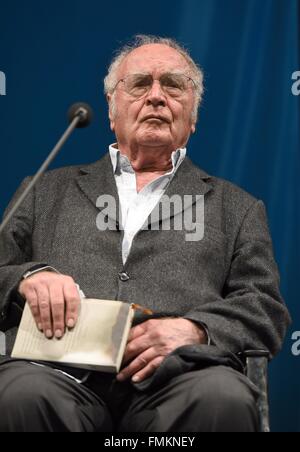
98, 180
188, 183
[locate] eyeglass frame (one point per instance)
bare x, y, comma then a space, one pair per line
153, 79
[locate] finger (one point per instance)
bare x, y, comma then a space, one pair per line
136, 347
137, 331
45, 309
148, 370
57, 302
32, 301
72, 300
136, 365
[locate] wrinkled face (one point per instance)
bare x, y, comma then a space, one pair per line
160, 117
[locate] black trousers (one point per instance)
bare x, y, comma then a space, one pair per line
40, 399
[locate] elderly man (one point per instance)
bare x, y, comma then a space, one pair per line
212, 298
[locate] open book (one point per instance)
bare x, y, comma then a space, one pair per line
97, 342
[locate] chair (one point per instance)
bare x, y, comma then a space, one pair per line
256, 369
8, 343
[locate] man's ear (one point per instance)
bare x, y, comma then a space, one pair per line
110, 112
193, 128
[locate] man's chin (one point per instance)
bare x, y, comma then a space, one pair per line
154, 139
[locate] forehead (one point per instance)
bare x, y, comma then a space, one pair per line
153, 58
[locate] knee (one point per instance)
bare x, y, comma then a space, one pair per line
26, 389
228, 401
225, 388
23, 392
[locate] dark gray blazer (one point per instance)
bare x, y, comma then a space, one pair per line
228, 281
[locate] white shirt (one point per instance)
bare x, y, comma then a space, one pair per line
137, 206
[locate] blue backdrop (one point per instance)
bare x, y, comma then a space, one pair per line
56, 52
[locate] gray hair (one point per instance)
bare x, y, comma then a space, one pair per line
111, 80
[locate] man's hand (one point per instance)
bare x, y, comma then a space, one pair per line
150, 342
54, 302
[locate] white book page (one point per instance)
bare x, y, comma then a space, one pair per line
98, 338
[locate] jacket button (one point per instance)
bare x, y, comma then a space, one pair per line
124, 276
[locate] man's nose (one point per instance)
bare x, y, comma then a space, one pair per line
156, 96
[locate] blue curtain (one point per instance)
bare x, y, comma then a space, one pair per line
55, 53
249, 132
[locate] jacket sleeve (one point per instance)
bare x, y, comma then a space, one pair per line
250, 313
16, 258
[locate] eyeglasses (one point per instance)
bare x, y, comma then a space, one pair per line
172, 84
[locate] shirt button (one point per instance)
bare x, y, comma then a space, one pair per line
124, 276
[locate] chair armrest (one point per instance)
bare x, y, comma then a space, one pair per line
3, 350
2, 344
257, 371
7, 340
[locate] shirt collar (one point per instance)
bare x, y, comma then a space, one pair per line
121, 162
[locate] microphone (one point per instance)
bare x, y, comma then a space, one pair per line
79, 115
83, 111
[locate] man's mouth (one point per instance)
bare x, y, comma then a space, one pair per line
156, 118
